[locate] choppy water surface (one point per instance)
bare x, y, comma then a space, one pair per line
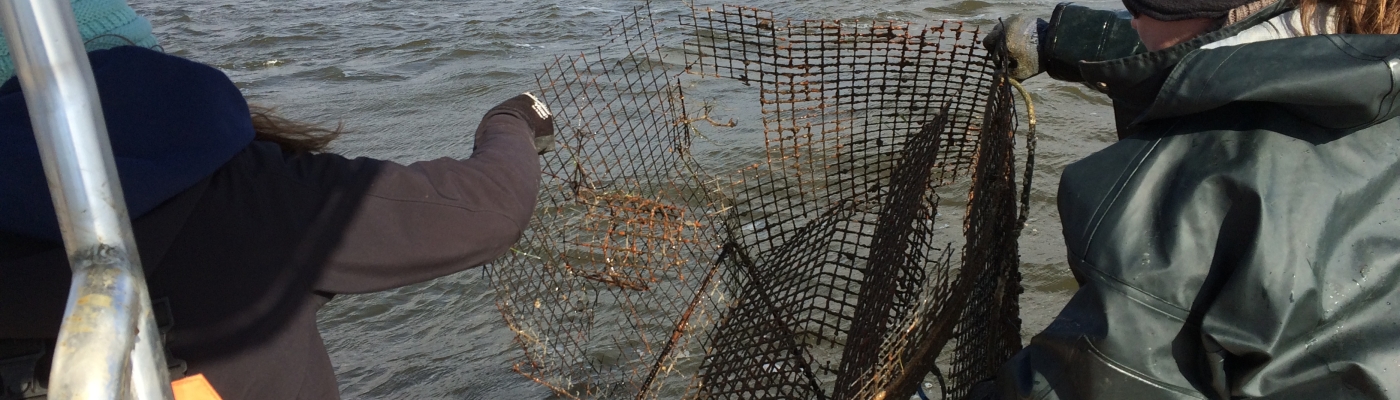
411, 78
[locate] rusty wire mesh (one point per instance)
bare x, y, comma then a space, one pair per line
820, 271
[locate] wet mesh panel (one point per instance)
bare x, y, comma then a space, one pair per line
822, 271
863, 121
616, 272
989, 329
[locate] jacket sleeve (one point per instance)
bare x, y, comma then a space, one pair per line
428, 219
1077, 33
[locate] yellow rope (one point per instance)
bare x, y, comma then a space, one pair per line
1030, 106
1030, 155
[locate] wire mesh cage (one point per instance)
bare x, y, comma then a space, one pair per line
819, 271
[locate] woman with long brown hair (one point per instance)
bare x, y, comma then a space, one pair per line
1372, 17
1242, 238
245, 225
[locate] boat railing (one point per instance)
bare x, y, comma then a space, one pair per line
109, 346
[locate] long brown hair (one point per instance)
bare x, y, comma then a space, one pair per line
1359, 16
292, 136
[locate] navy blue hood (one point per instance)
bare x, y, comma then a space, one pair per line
172, 122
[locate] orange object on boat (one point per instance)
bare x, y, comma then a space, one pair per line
194, 387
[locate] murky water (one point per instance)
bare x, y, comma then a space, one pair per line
411, 78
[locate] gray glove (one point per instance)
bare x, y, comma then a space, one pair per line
1021, 37
535, 113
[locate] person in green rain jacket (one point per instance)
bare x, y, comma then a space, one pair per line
1242, 238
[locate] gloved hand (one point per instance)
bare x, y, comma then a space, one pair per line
535, 113
1021, 37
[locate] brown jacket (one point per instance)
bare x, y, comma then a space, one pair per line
247, 256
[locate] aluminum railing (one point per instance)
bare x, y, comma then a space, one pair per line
109, 346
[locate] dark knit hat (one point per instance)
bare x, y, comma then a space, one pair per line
104, 24
1176, 10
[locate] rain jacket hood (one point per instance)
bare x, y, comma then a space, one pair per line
171, 123
1343, 82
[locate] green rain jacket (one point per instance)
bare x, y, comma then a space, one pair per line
1243, 238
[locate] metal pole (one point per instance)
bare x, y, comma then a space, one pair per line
108, 347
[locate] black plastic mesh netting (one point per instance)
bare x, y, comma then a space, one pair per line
822, 271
